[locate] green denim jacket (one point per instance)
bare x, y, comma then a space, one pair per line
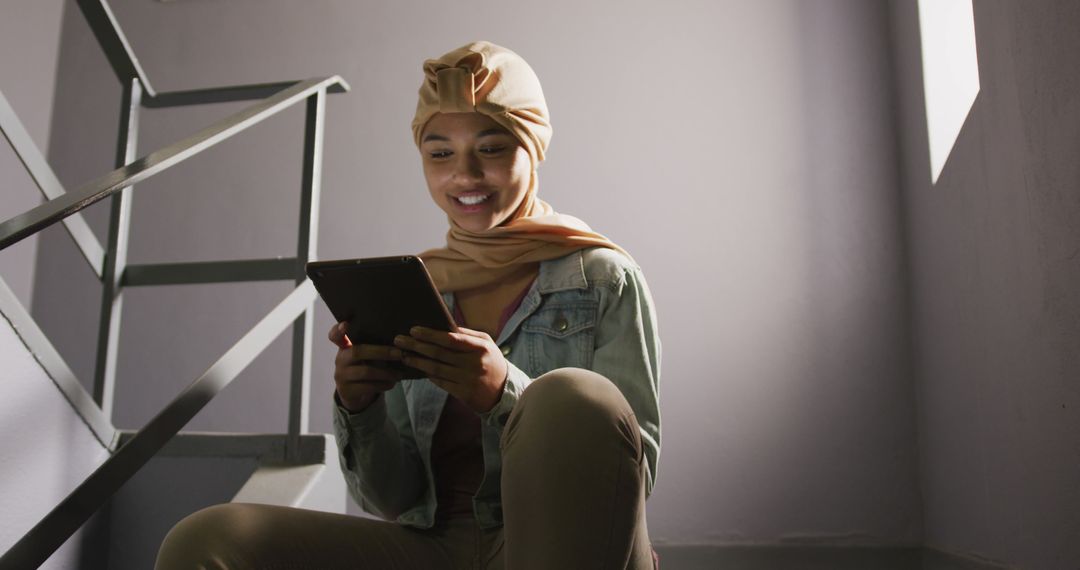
590, 309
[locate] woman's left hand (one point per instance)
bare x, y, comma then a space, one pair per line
467, 363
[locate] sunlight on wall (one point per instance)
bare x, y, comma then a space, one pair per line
950, 72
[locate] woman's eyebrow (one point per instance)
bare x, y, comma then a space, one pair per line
481, 134
490, 132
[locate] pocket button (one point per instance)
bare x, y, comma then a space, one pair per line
561, 324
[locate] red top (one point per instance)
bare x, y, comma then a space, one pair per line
457, 455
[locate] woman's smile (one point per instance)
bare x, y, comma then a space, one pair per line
473, 201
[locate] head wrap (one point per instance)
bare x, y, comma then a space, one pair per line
485, 78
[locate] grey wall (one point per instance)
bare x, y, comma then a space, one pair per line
995, 266
29, 48
742, 151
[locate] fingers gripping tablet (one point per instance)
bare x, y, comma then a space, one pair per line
381, 298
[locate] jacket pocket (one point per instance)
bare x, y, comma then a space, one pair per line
560, 335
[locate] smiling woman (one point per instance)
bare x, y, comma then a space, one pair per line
534, 440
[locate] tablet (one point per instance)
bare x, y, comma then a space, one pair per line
381, 298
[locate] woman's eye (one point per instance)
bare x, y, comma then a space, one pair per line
439, 154
492, 149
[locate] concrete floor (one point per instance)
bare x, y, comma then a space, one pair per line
811, 558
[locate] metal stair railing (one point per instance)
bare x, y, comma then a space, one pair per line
109, 264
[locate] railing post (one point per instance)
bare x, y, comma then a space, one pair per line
300, 385
116, 255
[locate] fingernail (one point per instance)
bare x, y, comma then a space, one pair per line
415, 331
399, 339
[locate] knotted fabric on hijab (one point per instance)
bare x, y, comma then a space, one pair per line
485, 78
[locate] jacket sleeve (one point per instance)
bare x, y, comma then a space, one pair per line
628, 353
378, 455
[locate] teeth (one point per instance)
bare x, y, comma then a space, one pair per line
472, 200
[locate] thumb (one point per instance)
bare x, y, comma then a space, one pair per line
339, 337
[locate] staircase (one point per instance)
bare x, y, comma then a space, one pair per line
104, 469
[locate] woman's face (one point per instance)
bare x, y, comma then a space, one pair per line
476, 171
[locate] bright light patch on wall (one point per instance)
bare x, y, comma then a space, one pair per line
950, 72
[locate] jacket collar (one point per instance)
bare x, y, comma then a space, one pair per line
566, 272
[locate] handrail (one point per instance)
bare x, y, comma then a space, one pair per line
47, 182
111, 267
223, 94
35, 219
35, 547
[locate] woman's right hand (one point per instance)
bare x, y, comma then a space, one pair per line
357, 373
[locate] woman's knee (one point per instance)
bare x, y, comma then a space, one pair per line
202, 535
573, 406
569, 392
211, 521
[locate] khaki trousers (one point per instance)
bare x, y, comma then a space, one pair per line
573, 494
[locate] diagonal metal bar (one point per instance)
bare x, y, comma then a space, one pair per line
223, 94
210, 272
57, 370
48, 183
114, 43
52, 531
31, 221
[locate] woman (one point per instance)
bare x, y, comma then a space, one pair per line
534, 441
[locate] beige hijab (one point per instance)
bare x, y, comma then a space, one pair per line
495, 81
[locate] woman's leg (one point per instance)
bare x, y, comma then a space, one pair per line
239, 536
573, 479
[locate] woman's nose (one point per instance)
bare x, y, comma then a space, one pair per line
467, 167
